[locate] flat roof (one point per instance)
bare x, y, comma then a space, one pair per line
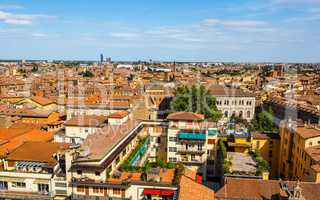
242, 163
99, 144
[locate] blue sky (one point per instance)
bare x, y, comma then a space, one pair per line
182, 30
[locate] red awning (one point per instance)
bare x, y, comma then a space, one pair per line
151, 191
167, 192
159, 192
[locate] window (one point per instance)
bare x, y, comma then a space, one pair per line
86, 130
270, 153
211, 141
97, 173
3, 185
172, 149
79, 172
18, 184
173, 159
80, 189
43, 188
199, 147
193, 157
248, 114
116, 191
240, 113
226, 113
310, 143
97, 190
172, 139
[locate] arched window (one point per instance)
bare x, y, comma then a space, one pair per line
240, 113
226, 113
248, 114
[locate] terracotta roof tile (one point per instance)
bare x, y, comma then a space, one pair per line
37, 151
185, 116
190, 189
87, 120
119, 115
307, 132
41, 100
19, 139
243, 188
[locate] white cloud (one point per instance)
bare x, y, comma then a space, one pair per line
10, 6
18, 19
124, 35
235, 23
38, 35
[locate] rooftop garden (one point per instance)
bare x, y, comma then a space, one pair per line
130, 163
227, 162
262, 165
130, 166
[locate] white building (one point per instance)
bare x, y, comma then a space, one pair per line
78, 128
187, 140
30, 172
234, 101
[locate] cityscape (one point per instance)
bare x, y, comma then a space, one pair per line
170, 100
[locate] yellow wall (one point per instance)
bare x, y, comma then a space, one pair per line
269, 150
293, 148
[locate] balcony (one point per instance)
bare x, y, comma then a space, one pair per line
7, 194
21, 174
190, 151
84, 197
191, 137
192, 162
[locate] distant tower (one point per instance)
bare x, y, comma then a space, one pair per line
101, 58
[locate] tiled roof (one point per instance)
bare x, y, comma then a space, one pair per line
26, 112
87, 120
190, 189
185, 116
19, 138
257, 189
265, 136
41, 100
36, 151
219, 90
307, 132
120, 114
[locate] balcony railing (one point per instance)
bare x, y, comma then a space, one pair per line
84, 197
192, 162
190, 151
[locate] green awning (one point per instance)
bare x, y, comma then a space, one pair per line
191, 136
213, 132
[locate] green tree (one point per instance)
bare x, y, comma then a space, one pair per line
264, 121
87, 73
196, 99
